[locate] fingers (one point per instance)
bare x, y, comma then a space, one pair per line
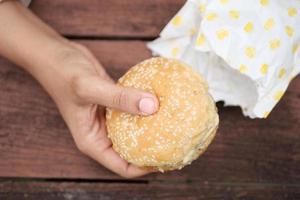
102, 92
98, 147
111, 160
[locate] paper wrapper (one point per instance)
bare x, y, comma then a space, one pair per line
247, 49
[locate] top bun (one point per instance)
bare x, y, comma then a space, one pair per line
179, 131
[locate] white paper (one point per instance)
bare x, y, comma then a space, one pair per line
248, 50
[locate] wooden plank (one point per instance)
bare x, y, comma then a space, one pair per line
102, 18
110, 191
34, 141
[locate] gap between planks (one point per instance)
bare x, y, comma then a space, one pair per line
109, 38
145, 182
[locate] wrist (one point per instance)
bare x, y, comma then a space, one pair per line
47, 57
50, 67
25, 39
30, 43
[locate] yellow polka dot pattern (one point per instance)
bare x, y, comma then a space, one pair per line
275, 44
211, 16
292, 12
278, 95
177, 21
266, 114
269, 24
250, 52
282, 73
249, 27
264, 69
222, 34
289, 31
243, 69
200, 40
202, 8
235, 14
264, 2
224, 2
259, 38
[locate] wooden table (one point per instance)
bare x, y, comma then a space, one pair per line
249, 159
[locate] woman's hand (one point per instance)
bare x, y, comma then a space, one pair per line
75, 80
81, 88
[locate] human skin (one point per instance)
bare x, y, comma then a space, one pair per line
75, 80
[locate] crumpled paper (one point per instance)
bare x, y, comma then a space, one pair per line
248, 50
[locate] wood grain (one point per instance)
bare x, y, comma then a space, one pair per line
102, 18
34, 141
110, 191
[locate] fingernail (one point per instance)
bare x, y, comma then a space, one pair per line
147, 106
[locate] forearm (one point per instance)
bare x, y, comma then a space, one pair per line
25, 39
33, 45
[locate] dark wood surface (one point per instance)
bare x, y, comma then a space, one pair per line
249, 159
107, 18
145, 191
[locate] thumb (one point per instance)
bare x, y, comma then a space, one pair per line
127, 99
